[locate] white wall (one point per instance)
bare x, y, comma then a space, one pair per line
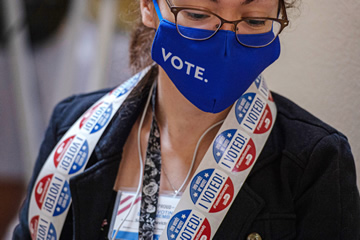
320, 65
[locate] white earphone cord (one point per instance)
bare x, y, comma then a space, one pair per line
194, 155
142, 164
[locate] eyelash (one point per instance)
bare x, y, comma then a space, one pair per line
197, 16
255, 23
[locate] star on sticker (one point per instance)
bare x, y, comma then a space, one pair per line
250, 98
241, 115
229, 135
183, 216
206, 175
195, 194
172, 236
218, 154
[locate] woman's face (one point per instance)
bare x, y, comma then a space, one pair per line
228, 9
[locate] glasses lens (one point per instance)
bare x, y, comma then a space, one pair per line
257, 32
196, 24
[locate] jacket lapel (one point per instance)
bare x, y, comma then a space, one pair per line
269, 153
242, 213
92, 191
248, 204
92, 195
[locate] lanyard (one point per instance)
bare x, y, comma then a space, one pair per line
211, 190
151, 181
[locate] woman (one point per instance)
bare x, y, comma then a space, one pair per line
184, 118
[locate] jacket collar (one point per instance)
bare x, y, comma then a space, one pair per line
269, 153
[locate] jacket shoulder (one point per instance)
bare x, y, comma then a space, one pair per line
67, 111
64, 115
292, 112
299, 132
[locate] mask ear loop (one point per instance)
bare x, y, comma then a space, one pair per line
157, 9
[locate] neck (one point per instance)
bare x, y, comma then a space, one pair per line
179, 120
181, 125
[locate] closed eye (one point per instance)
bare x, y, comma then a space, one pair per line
256, 22
196, 15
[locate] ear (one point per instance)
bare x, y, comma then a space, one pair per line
148, 14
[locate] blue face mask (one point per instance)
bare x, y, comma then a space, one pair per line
212, 74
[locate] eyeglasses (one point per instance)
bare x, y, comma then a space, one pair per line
255, 32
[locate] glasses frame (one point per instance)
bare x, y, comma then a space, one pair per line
284, 22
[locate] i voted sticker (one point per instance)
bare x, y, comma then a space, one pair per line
211, 190
126, 86
234, 150
71, 154
253, 113
42, 229
188, 224
263, 88
52, 194
96, 117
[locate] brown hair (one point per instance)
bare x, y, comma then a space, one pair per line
142, 37
140, 46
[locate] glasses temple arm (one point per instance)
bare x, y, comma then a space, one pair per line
282, 8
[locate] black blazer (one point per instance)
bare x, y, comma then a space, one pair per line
303, 185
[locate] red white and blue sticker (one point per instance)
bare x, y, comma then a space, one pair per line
234, 150
96, 117
188, 224
263, 88
126, 86
253, 113
52, 194
71, 154
211, 190
42, 229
